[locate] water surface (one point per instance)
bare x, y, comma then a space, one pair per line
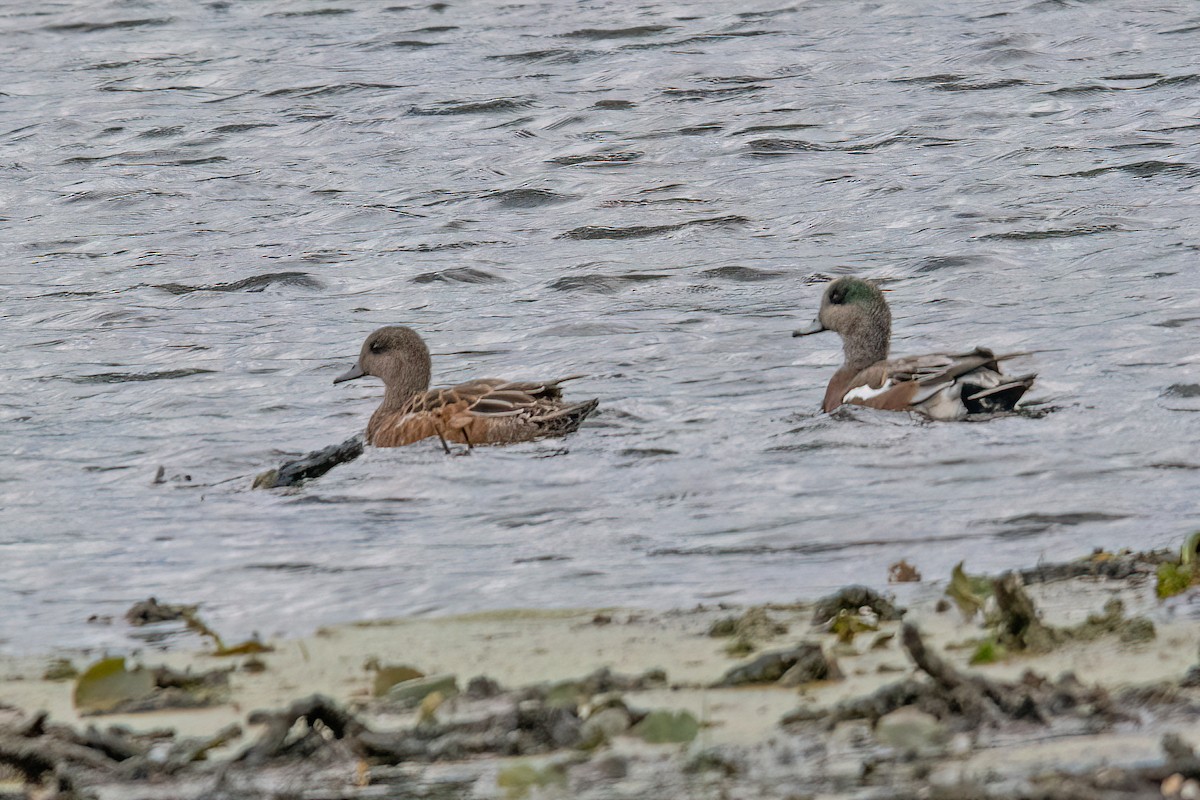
205, 208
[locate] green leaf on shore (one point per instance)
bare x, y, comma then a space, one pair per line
388, 676
410, 693
517, 781
987, 652
1173, 579
246, 648
661, 727
846, 625
966, 591
106, 684
1191, 550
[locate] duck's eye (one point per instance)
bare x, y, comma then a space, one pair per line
837, 297
376, 347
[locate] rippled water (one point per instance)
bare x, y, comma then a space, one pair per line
206, 208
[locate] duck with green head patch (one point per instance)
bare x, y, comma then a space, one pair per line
938, 385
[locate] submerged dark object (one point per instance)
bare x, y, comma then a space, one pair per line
313, 465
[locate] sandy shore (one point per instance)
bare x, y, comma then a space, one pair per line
761, 739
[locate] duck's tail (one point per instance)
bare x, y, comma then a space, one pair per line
568, 418
998, 398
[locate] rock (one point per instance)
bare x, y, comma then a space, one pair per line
771, 667
911, 731
150, 611
1113, 620
767, 668
1191, 680
852, 598
712, 760
548, 726
605, 680
1137, 629
254, 665
60, 669
612, 768
604, 726
410, 693
571, 693
812, 665
482, 687
563, 694
753, 625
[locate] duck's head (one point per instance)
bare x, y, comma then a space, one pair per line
850, 306
856, 310
395, 354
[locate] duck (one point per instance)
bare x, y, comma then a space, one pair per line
482, 411
941, 386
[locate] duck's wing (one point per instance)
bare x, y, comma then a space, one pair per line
476, 407
510, 399
935, 382
483, 411
461, 395
512, 411
490, 396
940, 367
549, 390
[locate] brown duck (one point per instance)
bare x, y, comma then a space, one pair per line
484, 411
939, 385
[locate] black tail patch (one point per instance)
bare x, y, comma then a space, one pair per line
999, 398
568, 419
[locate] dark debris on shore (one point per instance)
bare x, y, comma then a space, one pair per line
563, 739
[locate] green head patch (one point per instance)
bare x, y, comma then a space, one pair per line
852, 290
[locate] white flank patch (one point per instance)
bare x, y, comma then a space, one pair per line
865, 392
945, 404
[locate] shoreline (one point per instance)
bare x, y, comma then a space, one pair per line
731, 716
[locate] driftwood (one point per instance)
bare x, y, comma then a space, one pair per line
313, 465
541, 719
73, 759
35, 762
275, 742
792, 667
519, 725
1122, 566
1019, 626
969, 702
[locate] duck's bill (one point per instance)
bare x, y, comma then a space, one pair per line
350, 374
813, 327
